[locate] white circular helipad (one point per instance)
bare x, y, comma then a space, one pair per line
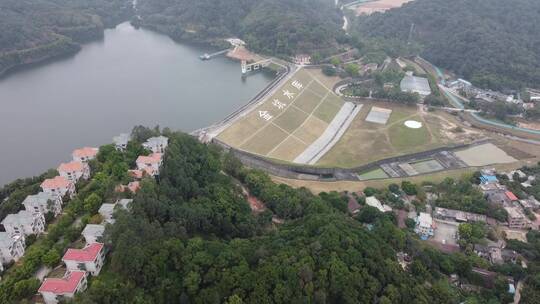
413, 124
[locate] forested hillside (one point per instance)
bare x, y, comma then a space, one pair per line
192, 238
35, 30
278, 27
494, 43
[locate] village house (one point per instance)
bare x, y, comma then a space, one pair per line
24, 222
156, 144
516, 219
149, 164
85, 154
121, 141
93, 233
90, 258
56, 290
43, 203
11, 247
511, 196
424, 225
59, 186
75, 170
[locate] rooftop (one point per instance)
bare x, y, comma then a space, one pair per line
374, 202
67, 284
22, 218
511, 196
425, 220
513, 212
71, 167
40, 198
124, 202
411, 83
121, 139
107, 209
55, 182
159, 140
92, 229
153, 158
85, 152
87, 254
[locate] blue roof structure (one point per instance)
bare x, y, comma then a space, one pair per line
486, 179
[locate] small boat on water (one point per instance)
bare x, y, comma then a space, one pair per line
206, 56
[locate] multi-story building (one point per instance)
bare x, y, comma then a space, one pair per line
43, 203
59, 186
89, 259
25, 222
56, 290
85, 154
424, 225
121, 141
11, 247
156, 144
75, 170
516, 219
149, 164
93, 233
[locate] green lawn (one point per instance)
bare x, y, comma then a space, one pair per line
404, 138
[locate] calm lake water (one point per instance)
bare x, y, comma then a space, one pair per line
132, 77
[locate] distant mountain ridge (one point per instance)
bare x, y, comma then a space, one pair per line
494, 43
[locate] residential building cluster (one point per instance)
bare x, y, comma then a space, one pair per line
80, 263
498, 194
31, 220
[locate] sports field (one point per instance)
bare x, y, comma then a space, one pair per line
289, 121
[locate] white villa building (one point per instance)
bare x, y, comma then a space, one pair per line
25, 222
90, 258
11, 247
150, 164
74, 171
92, 233
156, 144
85, 154
59, 186
43, 203
121, 141
55, 290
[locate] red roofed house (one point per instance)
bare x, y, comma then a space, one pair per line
74, 170
90, 258
133, 187
54, 290
59, 186
85, 154
150, 163
511, 196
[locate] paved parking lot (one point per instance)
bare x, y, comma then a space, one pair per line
445, 232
